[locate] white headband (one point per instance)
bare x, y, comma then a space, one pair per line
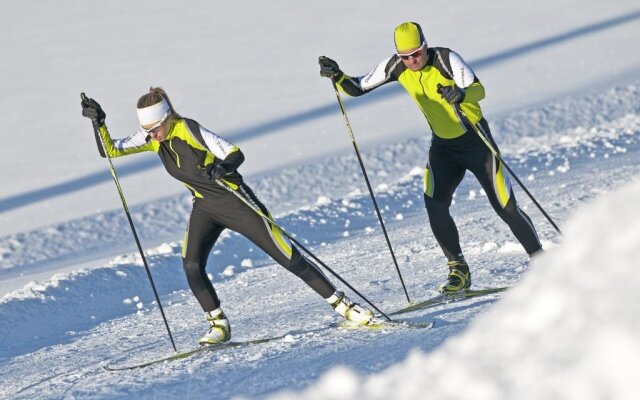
154, 113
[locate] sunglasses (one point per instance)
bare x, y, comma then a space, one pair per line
156, 127
414, 54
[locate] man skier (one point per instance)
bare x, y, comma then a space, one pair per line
439, 81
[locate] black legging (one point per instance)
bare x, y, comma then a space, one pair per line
449, 159
208, 219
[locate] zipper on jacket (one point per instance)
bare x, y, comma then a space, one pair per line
174, 152
424, 91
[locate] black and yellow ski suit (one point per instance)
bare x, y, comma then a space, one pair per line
185, 152
455, 147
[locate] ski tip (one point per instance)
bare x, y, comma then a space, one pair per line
409, 324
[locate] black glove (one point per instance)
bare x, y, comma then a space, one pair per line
92, 110
329, 68
216, 171
452, 94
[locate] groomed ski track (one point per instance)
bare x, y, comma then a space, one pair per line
74, 324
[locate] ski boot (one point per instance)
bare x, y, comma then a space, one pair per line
219, 330
352, 312
459, 277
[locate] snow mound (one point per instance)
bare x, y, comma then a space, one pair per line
541, 341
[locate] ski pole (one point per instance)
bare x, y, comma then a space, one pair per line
366, 178
287, 234
513, 174
96, 129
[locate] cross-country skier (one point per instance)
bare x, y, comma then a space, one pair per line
200, 158
438, 80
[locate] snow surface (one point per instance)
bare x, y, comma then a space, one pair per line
567, 331
563, 103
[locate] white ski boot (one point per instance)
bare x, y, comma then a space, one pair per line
219, 330
459, 278
352, 312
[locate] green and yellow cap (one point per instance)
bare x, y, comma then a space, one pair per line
407, 36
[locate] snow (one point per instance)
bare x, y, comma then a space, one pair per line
563, 104
567, 331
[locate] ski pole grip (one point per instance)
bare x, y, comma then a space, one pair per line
96, 130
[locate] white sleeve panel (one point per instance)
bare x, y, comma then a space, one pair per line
376, 77
138, 139
462, 73
217, 145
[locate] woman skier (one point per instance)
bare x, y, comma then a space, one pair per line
204, 161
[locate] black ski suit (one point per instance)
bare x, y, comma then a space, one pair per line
185, 152
455, 147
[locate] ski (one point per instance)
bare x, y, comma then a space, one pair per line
377, 323
185, 354
448, 298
